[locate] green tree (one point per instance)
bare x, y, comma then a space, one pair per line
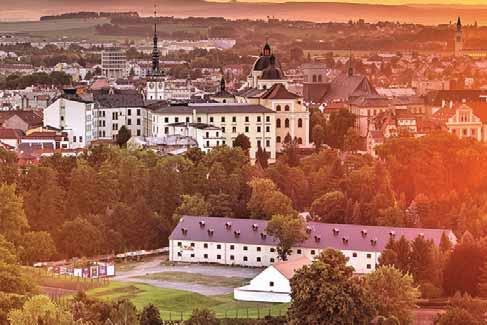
391, 217
266, 200
243, 142
262, 157
289, 230
40, 310
79, 238
37, 247
398, 254
393, 292
12, 217
290, 151
318, 135
124, 313
352, 140
422, 260
202, 317
326, 292
192, 205
150, 316
123, 136
329, 207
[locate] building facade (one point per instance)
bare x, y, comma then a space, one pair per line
245, 242
114, 63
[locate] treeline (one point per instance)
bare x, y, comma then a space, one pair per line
89, 15
55, 78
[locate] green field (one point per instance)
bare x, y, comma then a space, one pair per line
212, 281
50, 26
177, 304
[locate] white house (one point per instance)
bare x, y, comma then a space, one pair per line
272, 284
206, 135
74, 115
245, 242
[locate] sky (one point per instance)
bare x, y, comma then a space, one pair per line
385, 2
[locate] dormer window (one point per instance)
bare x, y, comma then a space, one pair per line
392, 233
202, 223
228, 225
263, 235
184, 231
211, 231
255, 227
364, 233
308, 229
237, 233
336, 231
317, 238
373, 241
345, 240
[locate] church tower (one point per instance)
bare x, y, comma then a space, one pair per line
155, 82
459, 38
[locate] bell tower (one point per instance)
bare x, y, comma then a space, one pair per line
155, 82
459, 38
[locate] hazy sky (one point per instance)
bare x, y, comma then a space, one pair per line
385, 2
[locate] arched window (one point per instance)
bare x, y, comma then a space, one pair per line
286, 108
286, 123
278, 108
300, 123
300, 141
278, 139
278, 123
320, 79
314, 78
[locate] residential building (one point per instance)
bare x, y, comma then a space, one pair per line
255, 121
172, 145
207, 136
21, 119
245, 242
73, 114
465, 120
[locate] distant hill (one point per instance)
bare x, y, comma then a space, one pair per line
313, 11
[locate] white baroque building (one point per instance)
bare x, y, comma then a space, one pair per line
244, 242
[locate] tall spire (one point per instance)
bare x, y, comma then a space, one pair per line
459, 24
155, 51
350, 65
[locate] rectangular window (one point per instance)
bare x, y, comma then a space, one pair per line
232, 247
180, 244
258, 259
187, 119
267, 143
223, 129
369, 266
354, 254
245, 258
246, 119
218, 257
273, 250
138, 121
211, 119
138, 112
223, 119
246, 129
234, 119
369, 255
267, 119
205, 256
180, 254
245, 248
192, 255
259, 119
298, 251
272, 260
199, 119
232, 258
258, 249
218, 246
313, 252
192, 244
234, 129
268, 129
74, 138
166, 130
166, 120
129, 122
259, 129
205, 245
271, 283
138, 133
176, 119
129, 112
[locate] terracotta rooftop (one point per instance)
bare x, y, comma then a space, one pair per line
289, 267
279, 91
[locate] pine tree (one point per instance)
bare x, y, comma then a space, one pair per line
482, 289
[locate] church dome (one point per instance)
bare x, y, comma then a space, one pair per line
273, 71
264, 61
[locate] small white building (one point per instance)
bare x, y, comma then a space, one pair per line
206, 135
272, 284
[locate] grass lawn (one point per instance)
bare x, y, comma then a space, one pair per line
177, 304
213, 281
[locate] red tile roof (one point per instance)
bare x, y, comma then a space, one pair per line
289, 267
279, 91
6, 133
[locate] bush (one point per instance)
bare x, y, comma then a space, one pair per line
430, 291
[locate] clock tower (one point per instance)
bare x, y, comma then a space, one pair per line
155, 81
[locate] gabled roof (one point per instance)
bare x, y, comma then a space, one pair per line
279, 91
32, 118
119, 100
345, 86
320, 235
314, 92
289, 267
6, 133
437, 97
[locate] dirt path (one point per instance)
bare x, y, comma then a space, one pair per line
154, 266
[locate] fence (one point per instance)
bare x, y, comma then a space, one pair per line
246, 313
